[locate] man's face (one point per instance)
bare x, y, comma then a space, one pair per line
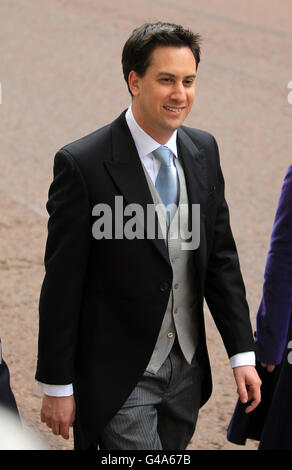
163, 97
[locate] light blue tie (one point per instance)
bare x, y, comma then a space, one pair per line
166, 181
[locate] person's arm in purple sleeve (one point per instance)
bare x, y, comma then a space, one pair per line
274, 313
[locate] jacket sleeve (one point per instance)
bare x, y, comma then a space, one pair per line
224, 287
66, 258
274, 314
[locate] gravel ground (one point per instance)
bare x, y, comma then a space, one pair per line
61, 78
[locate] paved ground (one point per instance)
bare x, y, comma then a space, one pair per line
61, 78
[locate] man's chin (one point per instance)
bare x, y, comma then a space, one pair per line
174, 122
174, 125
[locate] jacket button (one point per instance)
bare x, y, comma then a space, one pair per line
163, 286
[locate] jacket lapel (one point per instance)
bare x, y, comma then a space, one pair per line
126, 170
194, 163
195, 170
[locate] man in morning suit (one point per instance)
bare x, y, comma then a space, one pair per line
122, 351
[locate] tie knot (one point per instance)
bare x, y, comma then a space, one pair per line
163, 154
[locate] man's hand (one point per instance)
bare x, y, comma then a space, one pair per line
58, 413
269, 367
248, 386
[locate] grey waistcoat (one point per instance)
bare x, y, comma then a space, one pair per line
180, 318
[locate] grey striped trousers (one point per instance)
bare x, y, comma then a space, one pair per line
162, 410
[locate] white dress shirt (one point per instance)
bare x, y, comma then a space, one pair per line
145, 145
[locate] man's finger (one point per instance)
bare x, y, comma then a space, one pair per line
269, 367
255, 396
48, 422
56, 428
242, 391
64, 430
252, 406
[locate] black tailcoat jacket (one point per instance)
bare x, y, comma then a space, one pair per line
102, 301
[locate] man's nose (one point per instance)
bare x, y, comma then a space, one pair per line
178, 92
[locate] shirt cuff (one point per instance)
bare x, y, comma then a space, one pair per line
56, 390
243, 359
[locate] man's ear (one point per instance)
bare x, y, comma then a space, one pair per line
134, 83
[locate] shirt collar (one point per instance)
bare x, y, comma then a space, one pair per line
145, 144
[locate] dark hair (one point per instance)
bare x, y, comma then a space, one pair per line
143, 40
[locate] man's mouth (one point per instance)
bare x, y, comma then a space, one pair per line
173, 109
